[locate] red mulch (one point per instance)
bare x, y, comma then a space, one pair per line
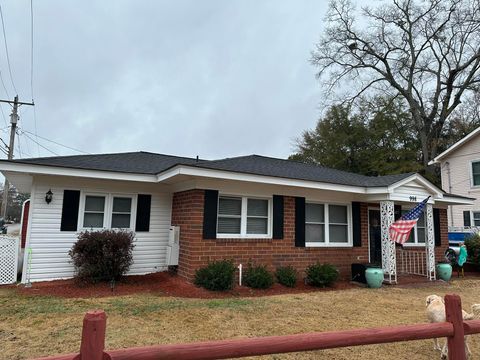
161, 283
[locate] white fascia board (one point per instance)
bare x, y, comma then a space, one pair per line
453, 200
454, 146
419, 178
228, 175
60, 171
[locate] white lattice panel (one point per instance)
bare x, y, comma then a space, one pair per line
8, 260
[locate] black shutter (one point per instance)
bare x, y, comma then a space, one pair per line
210, 208
436, 227
277, 217
356, 224
71, 201
397, 209
300, 222
144, 204
466, 218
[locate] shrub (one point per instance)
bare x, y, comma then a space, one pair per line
473, 248
104, 255
286, 275
216, 276
321, 274
258, 277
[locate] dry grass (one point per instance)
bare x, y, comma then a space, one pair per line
40, 326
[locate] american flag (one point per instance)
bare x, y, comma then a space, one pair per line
400, 229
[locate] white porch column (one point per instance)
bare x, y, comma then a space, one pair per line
430, 243
389, 261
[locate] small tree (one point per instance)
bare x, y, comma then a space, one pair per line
104, 255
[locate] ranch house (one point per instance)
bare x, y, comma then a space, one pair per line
186, 212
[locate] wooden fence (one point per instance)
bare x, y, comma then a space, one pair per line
94, 326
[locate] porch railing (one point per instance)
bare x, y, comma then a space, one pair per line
413, 262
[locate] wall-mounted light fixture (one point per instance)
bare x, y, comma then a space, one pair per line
49, 196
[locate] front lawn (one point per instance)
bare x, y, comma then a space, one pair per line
32, 326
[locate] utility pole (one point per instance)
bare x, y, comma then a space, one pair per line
13, 129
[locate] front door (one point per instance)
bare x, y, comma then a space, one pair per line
375, 236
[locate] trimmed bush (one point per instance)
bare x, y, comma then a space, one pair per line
473, 248
321, 274
286, 275
216, 276
257, 277
104, 255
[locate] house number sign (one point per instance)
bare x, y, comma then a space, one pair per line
413, 198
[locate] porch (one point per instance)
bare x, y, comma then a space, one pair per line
415, 260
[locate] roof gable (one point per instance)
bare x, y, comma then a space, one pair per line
456, 146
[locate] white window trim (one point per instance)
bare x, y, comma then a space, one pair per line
243, 219
415, 233
107, 215
470, 164
472, 217
326, 219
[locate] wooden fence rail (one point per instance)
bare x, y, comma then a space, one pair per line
94, 326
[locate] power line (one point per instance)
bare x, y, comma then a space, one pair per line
53, 152
56, 143
3, 115
3, 84
6, 50
18, 146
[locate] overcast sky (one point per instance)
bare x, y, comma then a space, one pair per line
215, 78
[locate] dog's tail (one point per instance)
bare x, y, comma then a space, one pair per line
475, 311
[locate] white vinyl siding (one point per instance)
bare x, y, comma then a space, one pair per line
50, 246
327, 224
243, 217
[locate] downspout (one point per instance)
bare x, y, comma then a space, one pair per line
447, 164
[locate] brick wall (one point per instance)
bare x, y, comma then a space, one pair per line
195, 252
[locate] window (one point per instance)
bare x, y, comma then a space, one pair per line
104, 210
121, 212
418, 235
94, 211
242, 216
476, 218
476, 173
327, 224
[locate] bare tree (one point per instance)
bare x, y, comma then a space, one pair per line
425, 51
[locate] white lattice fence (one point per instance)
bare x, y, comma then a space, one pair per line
8, 260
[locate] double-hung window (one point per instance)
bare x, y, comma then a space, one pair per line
107, 211
476, 218
121, 212
243, 217
418, 235
94, 214
327, 225
476, 173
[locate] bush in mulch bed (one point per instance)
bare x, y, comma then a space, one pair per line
216, 276
104, 255
473, 249
321, 274
258, 277
286, 275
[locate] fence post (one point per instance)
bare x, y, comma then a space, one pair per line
93, 335
456, 343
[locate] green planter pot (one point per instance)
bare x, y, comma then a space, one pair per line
444, 271
374, 277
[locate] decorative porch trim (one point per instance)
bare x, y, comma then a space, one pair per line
389, 262
430, 244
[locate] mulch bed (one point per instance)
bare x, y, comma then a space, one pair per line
162, 283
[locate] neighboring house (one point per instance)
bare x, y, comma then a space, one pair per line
251, 208
460, 172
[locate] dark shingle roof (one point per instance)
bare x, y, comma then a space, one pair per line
262, 165
151, 163
132, 162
